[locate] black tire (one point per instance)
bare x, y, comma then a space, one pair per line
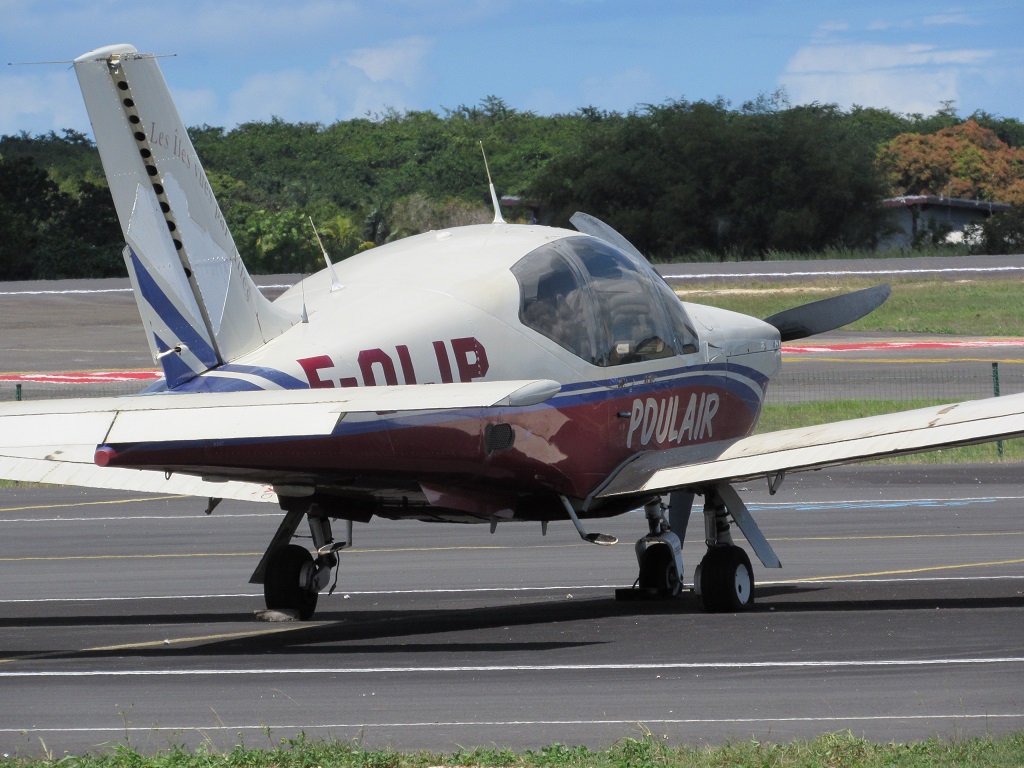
726, 580
658, 571
281, 582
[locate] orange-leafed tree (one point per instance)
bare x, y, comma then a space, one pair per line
966, 161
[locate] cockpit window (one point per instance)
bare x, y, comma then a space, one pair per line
601, 304
554, 303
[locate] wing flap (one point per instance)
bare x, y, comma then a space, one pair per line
823, 445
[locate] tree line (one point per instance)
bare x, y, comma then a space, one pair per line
678, 179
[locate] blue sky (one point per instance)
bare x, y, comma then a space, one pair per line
327, 60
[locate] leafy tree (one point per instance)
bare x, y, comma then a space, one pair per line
47, 233
685, 176
966, 160
1003, 233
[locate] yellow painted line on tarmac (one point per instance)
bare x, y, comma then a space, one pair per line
160, 643
348, 553
157, 556
199, 638
900, 536
905, 571
94, 503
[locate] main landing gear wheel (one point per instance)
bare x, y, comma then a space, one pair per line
725, 580
287, 579
658, 574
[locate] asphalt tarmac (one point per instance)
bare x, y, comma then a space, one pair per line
897, 615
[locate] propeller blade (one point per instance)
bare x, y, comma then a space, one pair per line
828, 314
591, 225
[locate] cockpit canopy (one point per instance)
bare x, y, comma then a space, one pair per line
604, 306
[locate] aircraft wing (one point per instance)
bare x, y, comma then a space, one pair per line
55, 441
823, 445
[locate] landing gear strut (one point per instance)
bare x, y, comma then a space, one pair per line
724, 580
292, 578
659, 553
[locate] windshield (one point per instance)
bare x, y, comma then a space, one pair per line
600, 304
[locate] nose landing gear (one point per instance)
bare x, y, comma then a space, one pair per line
724, 580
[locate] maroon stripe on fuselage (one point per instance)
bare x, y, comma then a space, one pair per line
567, 450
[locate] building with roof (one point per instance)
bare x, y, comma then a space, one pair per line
926, 218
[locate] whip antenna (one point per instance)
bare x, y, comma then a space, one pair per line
335, 285
494, 195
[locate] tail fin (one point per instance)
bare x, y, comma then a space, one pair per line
199, 305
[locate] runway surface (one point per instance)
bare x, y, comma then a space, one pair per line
898, 615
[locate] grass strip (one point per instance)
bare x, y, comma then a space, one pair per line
838, 749
958, 307
791, 415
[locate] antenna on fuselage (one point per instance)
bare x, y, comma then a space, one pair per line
335, 285
494, 195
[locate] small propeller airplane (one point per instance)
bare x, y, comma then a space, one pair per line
489, 374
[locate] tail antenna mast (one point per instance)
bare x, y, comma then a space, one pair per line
335, 285
494, 195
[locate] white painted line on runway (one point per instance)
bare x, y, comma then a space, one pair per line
497, 668
125, 599
66, 292
86, 291
764, 506
184, 516
433, 724
813, 506
842, 272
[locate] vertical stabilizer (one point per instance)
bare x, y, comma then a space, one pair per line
199, 305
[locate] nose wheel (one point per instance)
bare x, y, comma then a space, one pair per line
658, 573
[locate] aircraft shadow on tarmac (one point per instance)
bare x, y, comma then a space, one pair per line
354, 631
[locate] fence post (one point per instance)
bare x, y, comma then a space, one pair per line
995, 393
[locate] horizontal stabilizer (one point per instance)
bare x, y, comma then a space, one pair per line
828, 314
73, 465
56, 441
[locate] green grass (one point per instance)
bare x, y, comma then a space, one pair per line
961, 307
790, 415
925, 251
828, 751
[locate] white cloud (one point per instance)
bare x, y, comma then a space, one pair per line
46, 100
622, 90
379, 79
906, 78
855, 58
832, 26
398, 62
197, 106
957, 19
